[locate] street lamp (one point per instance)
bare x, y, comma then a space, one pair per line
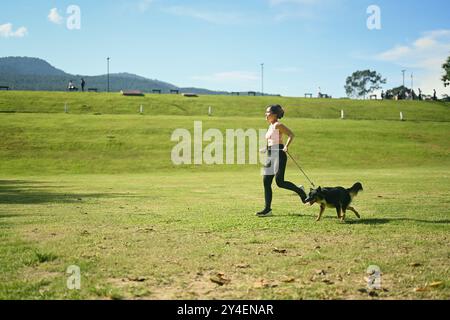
108, 70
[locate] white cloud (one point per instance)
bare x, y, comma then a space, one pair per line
432, 45
424, 43
6, 31
144, 5
54, 16
208, 16
425, 56
298, 9
394, 54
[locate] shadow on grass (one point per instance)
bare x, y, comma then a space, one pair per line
367, 221
377, 221
38, 192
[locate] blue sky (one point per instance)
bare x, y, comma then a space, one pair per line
220, 44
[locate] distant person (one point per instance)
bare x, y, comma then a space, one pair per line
83, 83
420, 94
382, 95
434, 95
70, 86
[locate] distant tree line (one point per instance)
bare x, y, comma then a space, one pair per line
363, 83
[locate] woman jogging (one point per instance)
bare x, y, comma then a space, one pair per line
277, 158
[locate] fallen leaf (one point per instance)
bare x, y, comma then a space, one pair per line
373, 294
436, 284
265, 284
362, 290
288, 280
415, 264
137, 279
321, 272
220, 279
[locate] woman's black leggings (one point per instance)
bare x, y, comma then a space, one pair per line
276, 168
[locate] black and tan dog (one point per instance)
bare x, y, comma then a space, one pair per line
338, 198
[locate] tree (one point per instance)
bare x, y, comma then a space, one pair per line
446, 76
399, 92
361, 83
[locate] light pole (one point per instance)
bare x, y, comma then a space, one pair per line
412, 85
262, 79
108, 70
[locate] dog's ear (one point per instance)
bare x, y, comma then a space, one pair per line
319, 189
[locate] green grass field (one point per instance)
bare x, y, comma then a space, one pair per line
96, 188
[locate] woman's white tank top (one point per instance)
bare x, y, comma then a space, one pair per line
273, 135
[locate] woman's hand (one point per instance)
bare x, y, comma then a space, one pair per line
286, 149
263, 150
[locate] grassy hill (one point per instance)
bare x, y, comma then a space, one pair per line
104, 133
96, 188
232, 106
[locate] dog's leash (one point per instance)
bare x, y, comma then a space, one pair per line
312, 183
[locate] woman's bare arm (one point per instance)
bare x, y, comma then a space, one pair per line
285, 130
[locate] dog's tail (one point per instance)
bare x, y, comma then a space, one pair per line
357, 187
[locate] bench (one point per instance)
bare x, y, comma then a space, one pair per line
252, 93
174, 91
190, 95
4, 88
132, 93
310, 95
156, 91
235, 93
92, 90
374, 97
72, 89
